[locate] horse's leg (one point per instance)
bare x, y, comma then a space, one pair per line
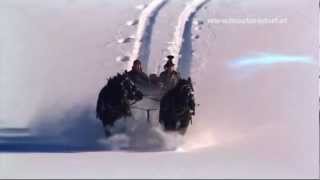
174, 121
107, 131
183, 131
106, 128
108, 122
185, 119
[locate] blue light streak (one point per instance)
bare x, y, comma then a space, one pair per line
268, 59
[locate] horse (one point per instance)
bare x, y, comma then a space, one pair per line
177, 107
115, 98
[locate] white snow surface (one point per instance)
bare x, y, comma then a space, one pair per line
181, 33
256, 85
144, 31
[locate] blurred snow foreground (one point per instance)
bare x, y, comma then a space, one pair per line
256, 85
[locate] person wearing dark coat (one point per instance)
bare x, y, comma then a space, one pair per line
169, 77
136, 74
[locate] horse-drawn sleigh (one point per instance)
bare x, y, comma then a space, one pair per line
117, 97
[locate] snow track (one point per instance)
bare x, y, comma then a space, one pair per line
182, 40
161, 39
181, 46
141, 49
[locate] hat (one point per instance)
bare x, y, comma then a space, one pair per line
170, 57
137, 61
169, 63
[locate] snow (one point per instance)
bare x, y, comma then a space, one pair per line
197, 22
122, 58
141, 6
146, 21
196, 36
182, 47
256, 85
197, 28
132, 22
124, 40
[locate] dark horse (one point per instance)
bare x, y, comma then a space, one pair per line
115, 98
177, 107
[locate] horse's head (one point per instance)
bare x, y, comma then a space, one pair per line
185, 87
129, 88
